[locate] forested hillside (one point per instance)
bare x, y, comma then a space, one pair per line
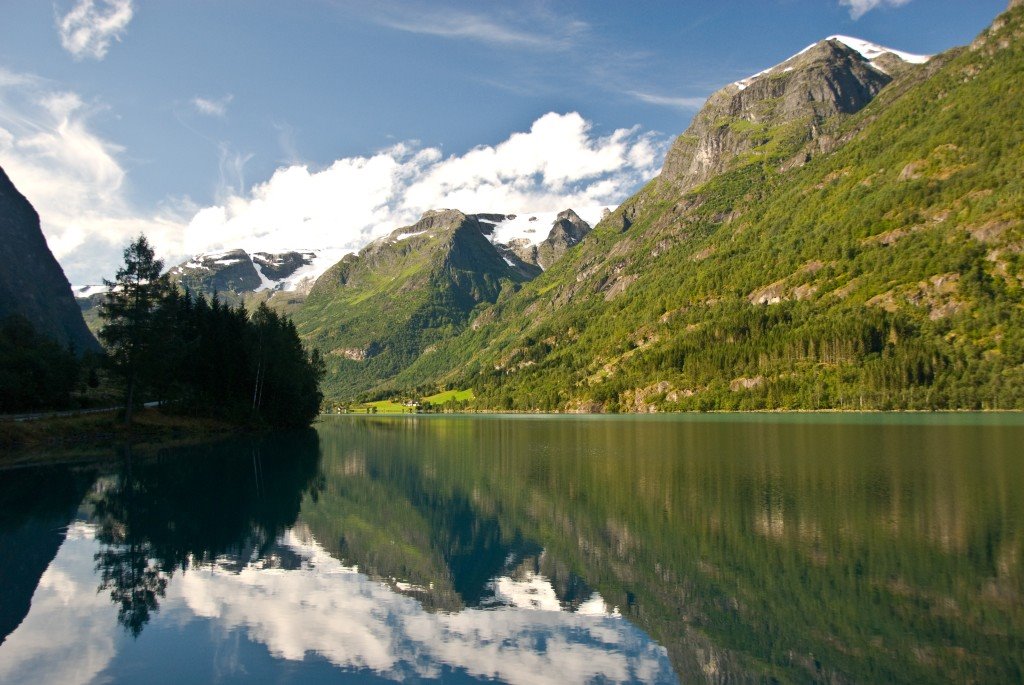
846, 250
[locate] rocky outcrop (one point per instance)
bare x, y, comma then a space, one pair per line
281, 265
231, 271
32, 283
568, 230
790, 99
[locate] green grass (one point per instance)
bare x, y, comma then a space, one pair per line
450, 396
383, 407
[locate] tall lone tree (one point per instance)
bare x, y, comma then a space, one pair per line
128, 311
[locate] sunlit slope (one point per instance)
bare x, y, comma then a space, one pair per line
868, 259
373, 313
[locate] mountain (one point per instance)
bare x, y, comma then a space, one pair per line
375, 312
281, 279
843, 230
517, 238
32, 284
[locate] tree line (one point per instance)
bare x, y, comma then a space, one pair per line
201, 357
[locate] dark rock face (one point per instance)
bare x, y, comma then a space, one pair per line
222, 272
827, 79
32, 283
568, 230
530, 259
281, 265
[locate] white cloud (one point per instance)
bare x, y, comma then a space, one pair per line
77, 183
858, 8
669, 101
88, 29
72, 176
558, 163
325, 608
214, 107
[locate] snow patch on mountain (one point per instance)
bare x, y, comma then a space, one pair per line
868, 50
86, 291
317, 262
534, 227
871, 51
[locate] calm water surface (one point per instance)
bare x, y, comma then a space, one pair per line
862, 548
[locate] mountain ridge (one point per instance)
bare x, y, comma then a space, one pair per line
887, 236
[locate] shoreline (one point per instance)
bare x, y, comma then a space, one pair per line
89, 437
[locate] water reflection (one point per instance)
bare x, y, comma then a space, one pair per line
822, 548
156, 516
35, 507
528, 550
355, 622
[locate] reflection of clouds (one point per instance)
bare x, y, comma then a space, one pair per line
322, 607
69, 634
356, 622
534, 591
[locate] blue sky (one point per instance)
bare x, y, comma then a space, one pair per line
215, 123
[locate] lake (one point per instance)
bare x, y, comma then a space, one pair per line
528, 549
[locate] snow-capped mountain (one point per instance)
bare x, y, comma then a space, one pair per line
535, 238
876, 55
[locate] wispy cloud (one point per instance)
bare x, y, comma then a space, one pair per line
535, 29
88, 29
73, 176
669, 101
858, 8
214, 107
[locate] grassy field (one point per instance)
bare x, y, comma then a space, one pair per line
450, 395
383, 407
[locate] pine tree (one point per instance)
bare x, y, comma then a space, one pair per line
129, 311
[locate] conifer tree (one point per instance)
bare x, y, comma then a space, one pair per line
129, 311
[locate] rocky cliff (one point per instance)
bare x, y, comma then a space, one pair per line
788, 101
32, 283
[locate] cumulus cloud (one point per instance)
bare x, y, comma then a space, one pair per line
72, 176
214, 107
75, 179
88, 29
558, 163
859, 8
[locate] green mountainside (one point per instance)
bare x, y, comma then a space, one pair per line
828, 236
374, 313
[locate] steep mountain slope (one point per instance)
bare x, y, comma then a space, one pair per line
817, 238
32, 284
374, 312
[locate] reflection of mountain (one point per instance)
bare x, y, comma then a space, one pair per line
193, 506
357, 623
762, 549
35, 508
439, 545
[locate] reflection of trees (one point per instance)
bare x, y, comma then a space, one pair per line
135, 582
193, 506
804, 551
